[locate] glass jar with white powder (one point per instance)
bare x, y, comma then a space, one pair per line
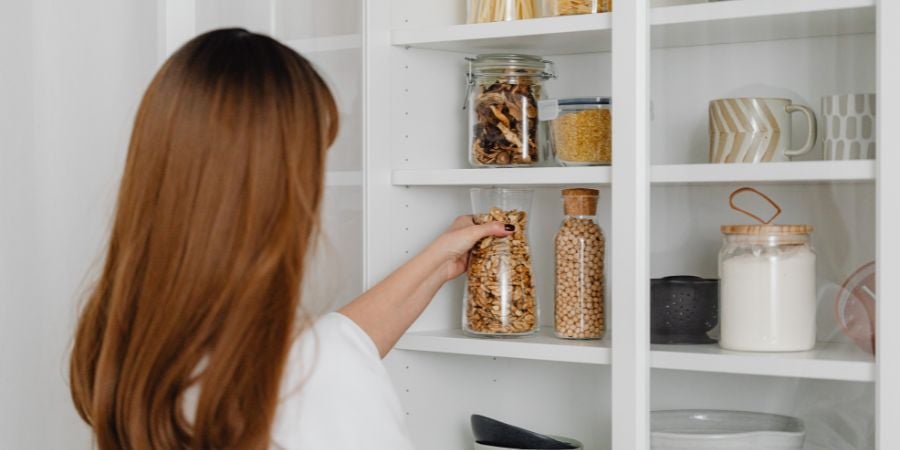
767, 299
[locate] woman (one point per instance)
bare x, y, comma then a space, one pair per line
192, 338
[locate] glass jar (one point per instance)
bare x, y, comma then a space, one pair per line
500, 296
502, 100
767, 298
580, 246
569, 7
580, 130
484, 11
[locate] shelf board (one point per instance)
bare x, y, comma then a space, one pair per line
828, 361
785, 172
736, 21
677, 26
548, 36
542, 346
534, 176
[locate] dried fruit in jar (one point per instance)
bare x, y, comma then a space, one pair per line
500, 292
505, 130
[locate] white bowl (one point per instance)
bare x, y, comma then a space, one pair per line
559, 438
724, 430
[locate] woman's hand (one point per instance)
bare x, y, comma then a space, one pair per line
387, 310
463, 234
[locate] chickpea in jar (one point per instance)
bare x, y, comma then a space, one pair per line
580, 248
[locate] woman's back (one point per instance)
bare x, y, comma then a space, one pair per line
218, 206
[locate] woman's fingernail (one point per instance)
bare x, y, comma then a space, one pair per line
509, 227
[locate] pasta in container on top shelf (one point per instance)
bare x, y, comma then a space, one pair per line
570, 7
484, 11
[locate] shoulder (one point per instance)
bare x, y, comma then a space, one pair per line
334, 345
335, 385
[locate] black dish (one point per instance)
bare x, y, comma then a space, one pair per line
488, 431
683, 309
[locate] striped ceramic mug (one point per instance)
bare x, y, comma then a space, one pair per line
755, 129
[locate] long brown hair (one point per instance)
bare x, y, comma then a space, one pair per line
218, 206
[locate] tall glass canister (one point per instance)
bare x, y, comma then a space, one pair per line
500, 295
580, 246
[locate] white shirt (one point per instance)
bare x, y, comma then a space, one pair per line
336, 393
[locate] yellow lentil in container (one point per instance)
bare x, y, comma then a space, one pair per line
583, 137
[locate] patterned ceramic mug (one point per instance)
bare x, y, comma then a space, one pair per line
849, 126
755, 129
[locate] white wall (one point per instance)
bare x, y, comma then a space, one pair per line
71, 75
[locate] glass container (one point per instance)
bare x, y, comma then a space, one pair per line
580, 246
580, 130
570, 7
768, 288
484, 11
502, 102
500, 295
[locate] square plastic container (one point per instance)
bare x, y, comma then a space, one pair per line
580, 130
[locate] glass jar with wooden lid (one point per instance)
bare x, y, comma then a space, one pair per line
768, 285
580, 247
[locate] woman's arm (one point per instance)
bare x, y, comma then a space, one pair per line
387, 310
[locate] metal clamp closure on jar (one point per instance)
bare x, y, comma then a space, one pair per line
506, 65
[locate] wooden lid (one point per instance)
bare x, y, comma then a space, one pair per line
580, 191
767, 229
580, 201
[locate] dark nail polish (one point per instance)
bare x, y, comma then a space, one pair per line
509, 227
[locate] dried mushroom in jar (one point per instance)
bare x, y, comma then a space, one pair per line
500, 292
505, 125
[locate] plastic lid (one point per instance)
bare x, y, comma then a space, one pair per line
585, 101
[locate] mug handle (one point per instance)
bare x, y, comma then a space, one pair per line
812, 127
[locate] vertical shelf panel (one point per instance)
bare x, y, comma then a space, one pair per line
630, 227
887, 223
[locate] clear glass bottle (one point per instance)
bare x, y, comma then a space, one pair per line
500, 295
580, 248
484, 11
502, 102
767, 298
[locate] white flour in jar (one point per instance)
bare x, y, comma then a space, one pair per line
768, 300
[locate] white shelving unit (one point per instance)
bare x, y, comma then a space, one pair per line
666, 204
661, 205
